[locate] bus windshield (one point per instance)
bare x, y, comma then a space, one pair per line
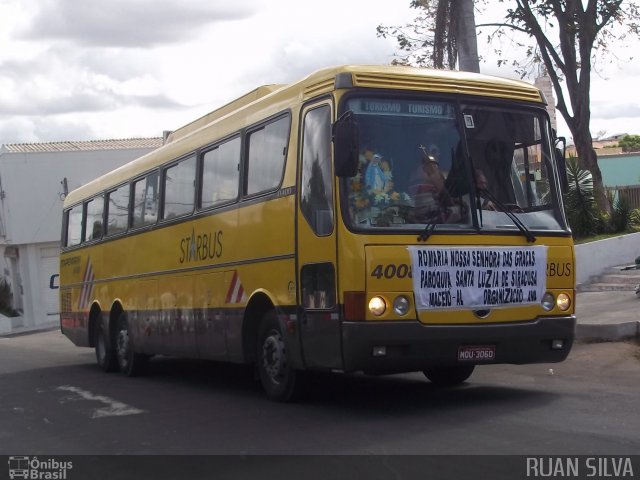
453, 166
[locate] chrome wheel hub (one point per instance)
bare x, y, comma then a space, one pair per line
273, 356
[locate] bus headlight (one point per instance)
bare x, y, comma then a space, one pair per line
401, 305
563, 302
377, 305
548, 301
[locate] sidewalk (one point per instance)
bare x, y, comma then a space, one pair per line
43, 327
607, 316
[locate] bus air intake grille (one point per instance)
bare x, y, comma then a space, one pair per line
448, 85
321, 87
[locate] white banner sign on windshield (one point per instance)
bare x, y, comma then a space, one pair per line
478, 277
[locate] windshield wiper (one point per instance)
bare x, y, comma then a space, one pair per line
426, 233
506, 209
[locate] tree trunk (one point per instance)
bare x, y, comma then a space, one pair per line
466, 38
587, 158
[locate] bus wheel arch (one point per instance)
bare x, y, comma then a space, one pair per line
95, 317
256, 309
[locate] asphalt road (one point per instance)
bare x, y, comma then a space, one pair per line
55, 401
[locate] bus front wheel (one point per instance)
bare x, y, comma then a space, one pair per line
448, 376
277, 376
130, 363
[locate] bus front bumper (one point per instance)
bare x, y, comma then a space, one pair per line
393, 347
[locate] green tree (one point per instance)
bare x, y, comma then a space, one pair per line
441, 36
568, 37
630, 143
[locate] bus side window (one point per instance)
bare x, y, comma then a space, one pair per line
74, 226
179, 188
95, 210
117, 210
267, 150
220, 174
145, 201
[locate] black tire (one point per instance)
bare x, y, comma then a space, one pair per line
277, 376
105, 350
448, 376
130, 363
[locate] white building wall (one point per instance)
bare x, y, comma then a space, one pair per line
31, 197
32, 191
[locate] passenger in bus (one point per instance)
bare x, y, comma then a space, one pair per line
427, 188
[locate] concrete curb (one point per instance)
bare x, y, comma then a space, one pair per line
21, 331
614, 332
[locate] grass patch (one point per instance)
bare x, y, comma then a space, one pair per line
604, 236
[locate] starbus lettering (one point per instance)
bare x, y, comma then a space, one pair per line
197, 247
557, 269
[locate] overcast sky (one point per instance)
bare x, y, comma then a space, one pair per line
84, 70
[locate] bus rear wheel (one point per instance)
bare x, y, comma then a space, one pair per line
277, 376
105, 353
448, 376
130, 363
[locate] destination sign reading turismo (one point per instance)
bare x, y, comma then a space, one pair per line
406, 108
478, 277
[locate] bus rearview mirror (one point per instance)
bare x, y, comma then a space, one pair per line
560, 150
346, 146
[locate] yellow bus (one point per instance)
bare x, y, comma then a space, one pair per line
375, 219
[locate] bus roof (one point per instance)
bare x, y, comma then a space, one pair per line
270, 99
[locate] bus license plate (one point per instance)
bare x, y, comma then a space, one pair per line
477, 353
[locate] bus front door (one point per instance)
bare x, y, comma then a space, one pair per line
316, 243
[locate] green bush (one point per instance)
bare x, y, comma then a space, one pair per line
620, 215
603, 223
580, 205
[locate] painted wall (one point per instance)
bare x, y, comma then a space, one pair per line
31, 194
31, 197
594, 258
622, 169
